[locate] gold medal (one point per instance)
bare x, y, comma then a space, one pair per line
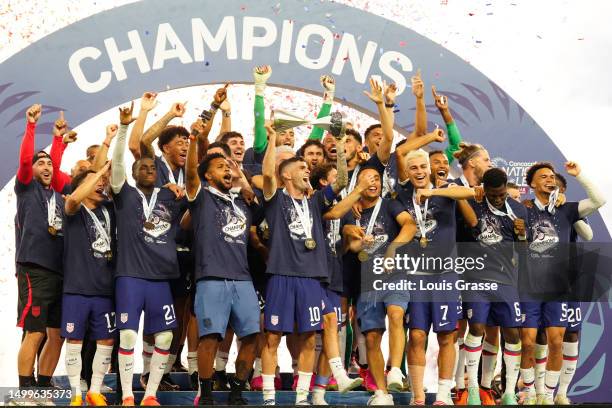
393, 194
52, 230
423, 242
265, 233
108, 255
310, 243
149, 225
363, 256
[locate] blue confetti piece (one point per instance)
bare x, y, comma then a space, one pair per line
207, 63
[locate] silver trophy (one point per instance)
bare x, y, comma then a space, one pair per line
283, 120
334, 123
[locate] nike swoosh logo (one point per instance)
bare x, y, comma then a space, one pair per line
574, 324
314, 324
110, 331
170, 322
443, 324
518, 319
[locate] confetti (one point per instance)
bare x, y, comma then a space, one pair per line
402, 43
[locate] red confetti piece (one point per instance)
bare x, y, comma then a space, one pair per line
402, 43
470, 14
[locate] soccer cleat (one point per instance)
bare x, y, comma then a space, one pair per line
380, 398
150, 401
128, 402
509, 399
332, 385
166, 384
76, 401
368, 380
318, 399
257, 383
269, 402
545, 399
486, 396
461, 396
220, 381
561, 399
96, 399
349, 384
473, 396
394, 380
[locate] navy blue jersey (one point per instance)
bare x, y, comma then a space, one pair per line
495, 236
34, 242
464, 232
141, 252
252, 161
333, 243
288, 253
221, 235
163, 173
87, 271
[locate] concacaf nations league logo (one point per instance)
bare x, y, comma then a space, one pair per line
112, 57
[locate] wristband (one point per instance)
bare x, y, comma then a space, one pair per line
390, 105
106, 144
227, 114
214, 106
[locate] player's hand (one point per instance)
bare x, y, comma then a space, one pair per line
261, 73
221, 94
248, 195
197, 127
125, 114
417, 85
33, 113
423, 194
440, 100
178, 109
389, 254
60, 126
357, 209
437, 135
69, 137
353, 231
363, 157
479, 194
572, 168
561, 199
178, 191
147, 101
111, 131
366, 182
527, 203
269, 125
376, 92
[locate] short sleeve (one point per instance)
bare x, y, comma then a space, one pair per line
395, 208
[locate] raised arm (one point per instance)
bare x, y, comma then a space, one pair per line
329, 88
74, 200
118, 168
102, 155
26, 151
147, 103
420, 123
61, 138
192, 180
454, 137
226, 113
177, 110
269, 164
341, 166
260, 74
468, 213
345, 205
376, 96
452, 192
595, 199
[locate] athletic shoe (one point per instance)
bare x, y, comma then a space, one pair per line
406, 387
150, 401
144, 380
196, 401
278, 383
128, 402
318, 399
486, 396
194, 379
76, 401
96, 399
166, 384
354, 365
205, 401
257, 383
440, 402
269, 402
509, 399
417, 402
394, 380
380, 398
368, 380
530, 399
220, 382
349, 384
302, 403
461, 397
562, 400
237, 400
332, 385
545, 399
105, 388
473, 396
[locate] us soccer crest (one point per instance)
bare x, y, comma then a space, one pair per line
69, 327
123, 317
274, 320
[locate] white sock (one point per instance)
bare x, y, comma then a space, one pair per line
551, 380
444, 387
528, 375
159, 362
303, 386
73, 366
342, 341
147, 353
489, 359
257, 369
268, 387
568, 368
337, 369
460, 366
99, 367
512, 359
192, 361
127, 340
170, 363
221, 360
541, 357
473, 350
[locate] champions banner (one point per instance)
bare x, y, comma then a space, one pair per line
113, 57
